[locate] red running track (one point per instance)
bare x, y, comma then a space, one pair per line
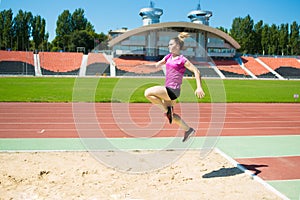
118, 120
67, 120
273, 168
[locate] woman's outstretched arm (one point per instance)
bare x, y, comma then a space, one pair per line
199, 91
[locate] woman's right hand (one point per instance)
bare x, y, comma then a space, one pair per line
200, 93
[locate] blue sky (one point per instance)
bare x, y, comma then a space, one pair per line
115, 14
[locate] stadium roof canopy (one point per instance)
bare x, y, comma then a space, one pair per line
172, 25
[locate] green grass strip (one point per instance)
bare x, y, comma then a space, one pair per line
54, 89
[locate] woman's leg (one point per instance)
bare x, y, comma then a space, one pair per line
158, 95
188, 131
179, 121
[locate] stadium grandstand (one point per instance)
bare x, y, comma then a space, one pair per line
211, 50
97, 65
56, 63
17, 63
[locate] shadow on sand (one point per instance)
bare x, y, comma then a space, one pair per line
233, 171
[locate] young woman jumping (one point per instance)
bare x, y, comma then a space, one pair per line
165, 96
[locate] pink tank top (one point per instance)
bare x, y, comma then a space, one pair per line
174, 71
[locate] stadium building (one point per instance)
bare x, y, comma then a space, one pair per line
151, 40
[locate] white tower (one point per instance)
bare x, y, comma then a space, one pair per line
200, 16
150, 15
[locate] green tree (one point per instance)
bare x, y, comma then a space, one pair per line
82, 38
39, 34
236, 29
265, 39
274, 41
283, 38
63, 30
68, 25
22, 30
294, 40
64, 24
242, 32
6, 31
223, 29
80, 22
74, 30
257, 37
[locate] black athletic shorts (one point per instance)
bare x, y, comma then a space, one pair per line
173, 93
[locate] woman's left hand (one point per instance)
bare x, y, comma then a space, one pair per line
199, 93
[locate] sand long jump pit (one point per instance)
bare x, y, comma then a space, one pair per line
80, 175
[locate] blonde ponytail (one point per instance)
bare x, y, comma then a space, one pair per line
183, 35
180, 39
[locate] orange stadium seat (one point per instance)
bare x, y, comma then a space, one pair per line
21, 56
275, 63
96, 58
255, 67
16, 63
286, 67
60, 61
230, 66
97, 64
137, 66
